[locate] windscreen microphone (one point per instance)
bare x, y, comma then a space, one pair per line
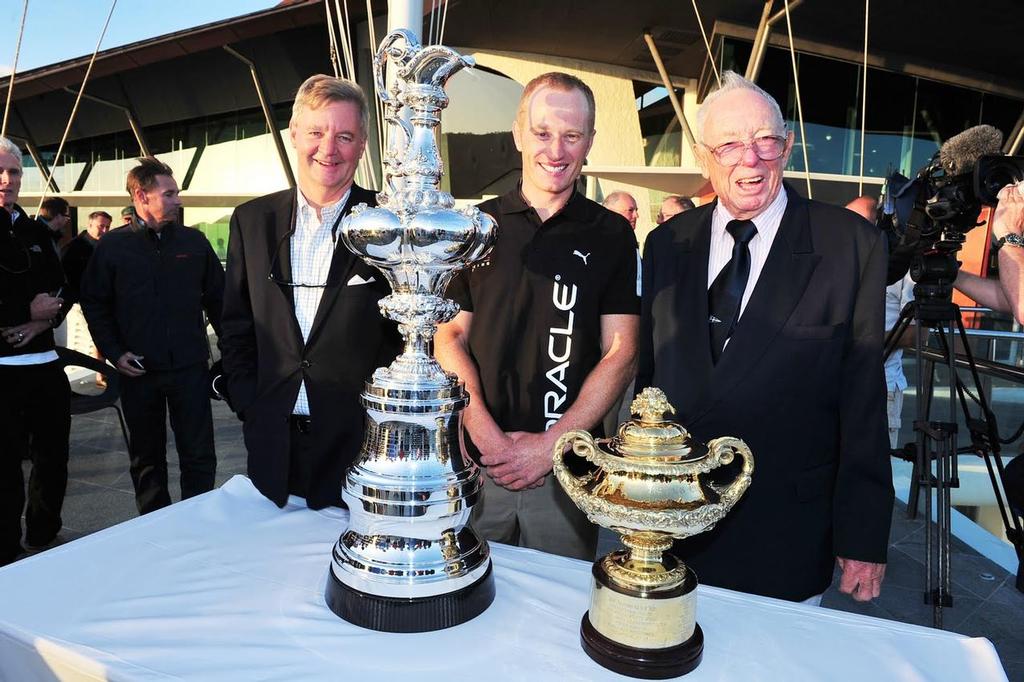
961, 152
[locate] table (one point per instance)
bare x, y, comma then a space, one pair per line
226, 586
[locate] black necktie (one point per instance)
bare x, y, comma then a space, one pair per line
726, 291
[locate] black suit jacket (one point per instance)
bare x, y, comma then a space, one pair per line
265, 360
800, 381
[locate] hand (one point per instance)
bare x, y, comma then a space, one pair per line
45, 307
862, 580
124, 368
526, 465
19, 336
1009, 214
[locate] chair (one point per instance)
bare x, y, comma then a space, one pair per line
83, 404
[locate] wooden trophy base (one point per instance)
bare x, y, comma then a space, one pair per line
648, 664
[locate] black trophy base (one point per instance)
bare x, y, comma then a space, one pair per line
400, 614
648, 664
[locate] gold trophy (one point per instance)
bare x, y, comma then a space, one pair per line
650, 485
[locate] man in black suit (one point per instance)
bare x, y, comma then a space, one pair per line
762, 318
302, 330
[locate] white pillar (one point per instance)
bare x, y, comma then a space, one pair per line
407, 14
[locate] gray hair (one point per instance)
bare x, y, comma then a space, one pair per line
320, 90
8, 147
615, 196
733, 81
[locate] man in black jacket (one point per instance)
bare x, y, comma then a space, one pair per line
143, 294
79, 250
302, 329
35, 400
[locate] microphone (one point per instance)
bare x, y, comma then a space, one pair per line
961, 152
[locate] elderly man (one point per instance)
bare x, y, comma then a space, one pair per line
762, 318
624, 204
36, 400
546, 337
302, 329
673, 205
144, 293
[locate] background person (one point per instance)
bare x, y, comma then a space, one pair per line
624, 204
302, 328
143, 293
36, 398
762, 319
673, 205
55, 213
546, 338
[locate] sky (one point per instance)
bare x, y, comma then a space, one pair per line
57, 30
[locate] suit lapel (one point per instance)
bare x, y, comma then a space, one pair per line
341, 263
781, 285
693, 314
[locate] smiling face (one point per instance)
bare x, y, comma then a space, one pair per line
10, 180
554, 135
747, 188
328, 142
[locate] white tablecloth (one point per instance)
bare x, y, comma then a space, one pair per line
226, 586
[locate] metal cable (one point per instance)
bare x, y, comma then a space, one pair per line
444, 22
14, 70
864, 100
799, 107
707, 45
378, 105
74, 110
332, 38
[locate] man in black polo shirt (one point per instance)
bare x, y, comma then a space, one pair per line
546, 339
143, 294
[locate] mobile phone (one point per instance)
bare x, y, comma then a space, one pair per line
137, 364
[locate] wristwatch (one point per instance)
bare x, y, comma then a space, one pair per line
1011, 239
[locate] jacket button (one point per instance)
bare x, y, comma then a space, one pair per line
306, 364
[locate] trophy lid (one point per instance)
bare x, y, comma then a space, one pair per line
651, 435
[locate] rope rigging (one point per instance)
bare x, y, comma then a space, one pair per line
74, 109
14, 70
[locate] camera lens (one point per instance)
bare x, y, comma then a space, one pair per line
995, 172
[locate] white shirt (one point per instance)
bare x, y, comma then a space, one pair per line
312, 249
897, 295
767, 224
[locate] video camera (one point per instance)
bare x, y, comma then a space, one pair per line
926, 219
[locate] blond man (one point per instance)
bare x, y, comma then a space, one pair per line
302, 329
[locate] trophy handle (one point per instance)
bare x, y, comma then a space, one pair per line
722, 450
583, 445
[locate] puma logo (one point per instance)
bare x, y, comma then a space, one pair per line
714, 320
583, 257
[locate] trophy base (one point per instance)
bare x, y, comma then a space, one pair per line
418, 614
648, 664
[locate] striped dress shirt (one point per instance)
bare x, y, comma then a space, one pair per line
312, 249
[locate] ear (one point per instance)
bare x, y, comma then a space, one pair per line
590, 143
790, 138
293, 132
700, 153
517, 135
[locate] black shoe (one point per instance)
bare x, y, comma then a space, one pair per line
33, 544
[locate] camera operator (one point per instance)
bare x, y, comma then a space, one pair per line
1005, 294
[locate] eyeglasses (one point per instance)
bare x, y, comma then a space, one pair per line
767, 148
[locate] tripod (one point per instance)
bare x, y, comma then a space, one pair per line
933, 309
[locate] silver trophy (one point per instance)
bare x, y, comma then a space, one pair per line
408, 561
